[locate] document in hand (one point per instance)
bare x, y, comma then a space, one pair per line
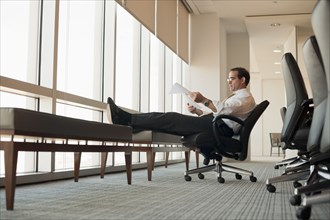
177, 89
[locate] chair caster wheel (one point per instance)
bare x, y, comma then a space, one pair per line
206, 161
201, 176
276, 167
187, 178
304, 213
271, 188
253, 179
296, 184
238, 176
295, 200
221, 180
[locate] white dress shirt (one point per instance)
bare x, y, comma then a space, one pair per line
239, 105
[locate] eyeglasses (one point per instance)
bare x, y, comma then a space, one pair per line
229, 79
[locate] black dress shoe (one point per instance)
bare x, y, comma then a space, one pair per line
118, 115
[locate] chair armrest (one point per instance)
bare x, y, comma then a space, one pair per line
216, 127
232, 118
306, 102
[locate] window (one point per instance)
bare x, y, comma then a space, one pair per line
156, 74
127, 60
19, 22
145, 70
80, 48
102, 51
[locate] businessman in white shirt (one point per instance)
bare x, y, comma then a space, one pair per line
239, 104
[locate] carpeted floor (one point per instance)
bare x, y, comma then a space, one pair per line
167, 196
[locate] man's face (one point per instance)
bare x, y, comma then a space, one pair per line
234, 82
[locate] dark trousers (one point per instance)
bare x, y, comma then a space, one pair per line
176, 123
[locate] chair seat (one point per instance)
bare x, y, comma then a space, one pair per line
300, 139
207, 140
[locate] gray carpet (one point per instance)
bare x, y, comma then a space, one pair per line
167, 196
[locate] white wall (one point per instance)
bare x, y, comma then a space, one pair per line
204, 75
223, 61
238, 50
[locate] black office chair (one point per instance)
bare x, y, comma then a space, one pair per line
215, 146
317, 79
321, 162
320, 24
296, 124
284, 147
282, 112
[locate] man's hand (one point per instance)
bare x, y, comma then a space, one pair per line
193, 110
197, 97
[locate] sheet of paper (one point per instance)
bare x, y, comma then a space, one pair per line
177, 89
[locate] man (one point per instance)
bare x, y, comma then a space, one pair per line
239, 104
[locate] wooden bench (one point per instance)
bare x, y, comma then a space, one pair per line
26, 130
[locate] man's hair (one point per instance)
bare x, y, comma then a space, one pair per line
242, 72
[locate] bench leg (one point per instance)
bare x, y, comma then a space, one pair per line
197, 158
11, 154
187, 158
167, 154
128, 161
150, 161
77, 158
104, 157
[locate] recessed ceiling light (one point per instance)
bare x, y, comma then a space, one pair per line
277, 63
277, 72
275, 24
277, 51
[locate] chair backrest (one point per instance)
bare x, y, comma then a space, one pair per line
248, 125
296, 94
235, 147
321, 28
282, 112
316, 75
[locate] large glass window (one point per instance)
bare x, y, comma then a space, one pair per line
47, 43
156, 74
80, 48
109, 49
127, 60
102, 51
19, 39
145, 74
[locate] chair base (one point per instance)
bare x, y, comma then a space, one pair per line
219, 167
286, 162
297, 169
295, 176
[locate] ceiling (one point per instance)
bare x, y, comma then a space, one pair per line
255, 18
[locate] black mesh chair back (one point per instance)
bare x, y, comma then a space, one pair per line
237, 147
296, 95
316, 75
321, 28
282, 112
